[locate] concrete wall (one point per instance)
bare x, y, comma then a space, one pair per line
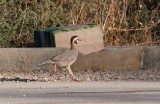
111, 58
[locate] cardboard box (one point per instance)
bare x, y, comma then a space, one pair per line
91, 35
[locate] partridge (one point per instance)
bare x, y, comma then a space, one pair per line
66, 58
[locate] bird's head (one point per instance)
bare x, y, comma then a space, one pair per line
74, 40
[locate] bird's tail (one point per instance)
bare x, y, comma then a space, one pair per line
47, 62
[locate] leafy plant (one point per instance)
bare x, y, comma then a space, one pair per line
124, 22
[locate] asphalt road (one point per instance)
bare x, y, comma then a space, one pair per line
112, 92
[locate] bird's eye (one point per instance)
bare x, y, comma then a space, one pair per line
75, 41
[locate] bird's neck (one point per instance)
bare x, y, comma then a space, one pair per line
73, 46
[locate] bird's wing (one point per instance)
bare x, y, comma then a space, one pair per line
66, 58
66, 55
57, 55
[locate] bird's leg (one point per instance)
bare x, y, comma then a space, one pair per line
71, 73
53, 70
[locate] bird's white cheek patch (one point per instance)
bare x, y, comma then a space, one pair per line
75, 39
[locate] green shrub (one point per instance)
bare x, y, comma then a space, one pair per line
124, 22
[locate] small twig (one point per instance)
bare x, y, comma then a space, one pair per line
102, 13
79, 13
149, 27
109, 12
73, 22
23, 19
147, 43
123, 15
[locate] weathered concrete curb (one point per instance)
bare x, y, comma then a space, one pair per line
111, 58
25, 58
121, 58
151, 57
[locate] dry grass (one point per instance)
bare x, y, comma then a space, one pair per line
124, 22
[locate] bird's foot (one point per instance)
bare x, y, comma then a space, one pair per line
52, 75
76, 79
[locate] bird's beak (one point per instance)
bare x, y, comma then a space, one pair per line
79, 39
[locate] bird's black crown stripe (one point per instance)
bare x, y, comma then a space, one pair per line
73, 37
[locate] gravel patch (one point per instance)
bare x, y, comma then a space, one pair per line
43, 75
